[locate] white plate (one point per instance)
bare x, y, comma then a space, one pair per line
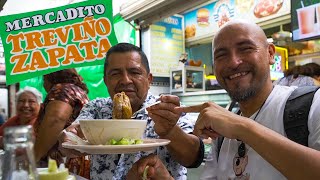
147, 145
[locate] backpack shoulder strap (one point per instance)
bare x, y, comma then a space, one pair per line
296, 112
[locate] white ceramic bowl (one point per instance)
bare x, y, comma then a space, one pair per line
100, 131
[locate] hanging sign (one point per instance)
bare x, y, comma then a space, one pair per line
41, 42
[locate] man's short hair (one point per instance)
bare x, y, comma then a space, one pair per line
123, 48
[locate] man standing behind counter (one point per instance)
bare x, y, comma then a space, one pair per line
126, 69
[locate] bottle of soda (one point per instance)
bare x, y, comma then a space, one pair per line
19, 162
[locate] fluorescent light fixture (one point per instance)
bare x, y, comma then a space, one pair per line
146, 12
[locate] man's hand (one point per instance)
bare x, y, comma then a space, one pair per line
155, 171
63, 137
214, 120
164, 115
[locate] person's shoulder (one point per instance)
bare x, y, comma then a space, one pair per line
100, 101
70, 86
290, 89
76, 91
281, 81
284, 88
305, 81
281, 93
97, 105
307, 78
304, 77
317, 95
12, 121
151, 97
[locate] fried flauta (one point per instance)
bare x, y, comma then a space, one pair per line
121, 106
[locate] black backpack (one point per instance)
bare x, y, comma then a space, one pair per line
295, 116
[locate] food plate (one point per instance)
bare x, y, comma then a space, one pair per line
148, 145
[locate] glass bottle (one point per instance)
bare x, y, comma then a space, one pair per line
19, 162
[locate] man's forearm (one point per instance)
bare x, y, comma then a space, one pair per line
183, 147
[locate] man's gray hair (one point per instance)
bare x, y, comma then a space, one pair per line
32, 90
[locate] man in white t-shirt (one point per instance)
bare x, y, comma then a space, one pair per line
255, 146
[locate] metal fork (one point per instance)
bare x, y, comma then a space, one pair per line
152, 104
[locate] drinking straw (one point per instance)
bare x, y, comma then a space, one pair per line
302, 4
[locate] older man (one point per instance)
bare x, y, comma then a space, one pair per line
255, 146
127, 70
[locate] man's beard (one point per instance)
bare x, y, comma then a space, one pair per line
240, 94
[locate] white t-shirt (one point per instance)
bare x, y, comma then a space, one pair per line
252, 165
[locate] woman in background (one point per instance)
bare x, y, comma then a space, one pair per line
27, 108
297, 76
313, 70
66, 96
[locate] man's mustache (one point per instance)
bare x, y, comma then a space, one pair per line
125, 88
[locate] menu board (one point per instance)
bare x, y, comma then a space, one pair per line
166, 45
305, 19
207, 19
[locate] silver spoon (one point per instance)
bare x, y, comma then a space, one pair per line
152, 104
